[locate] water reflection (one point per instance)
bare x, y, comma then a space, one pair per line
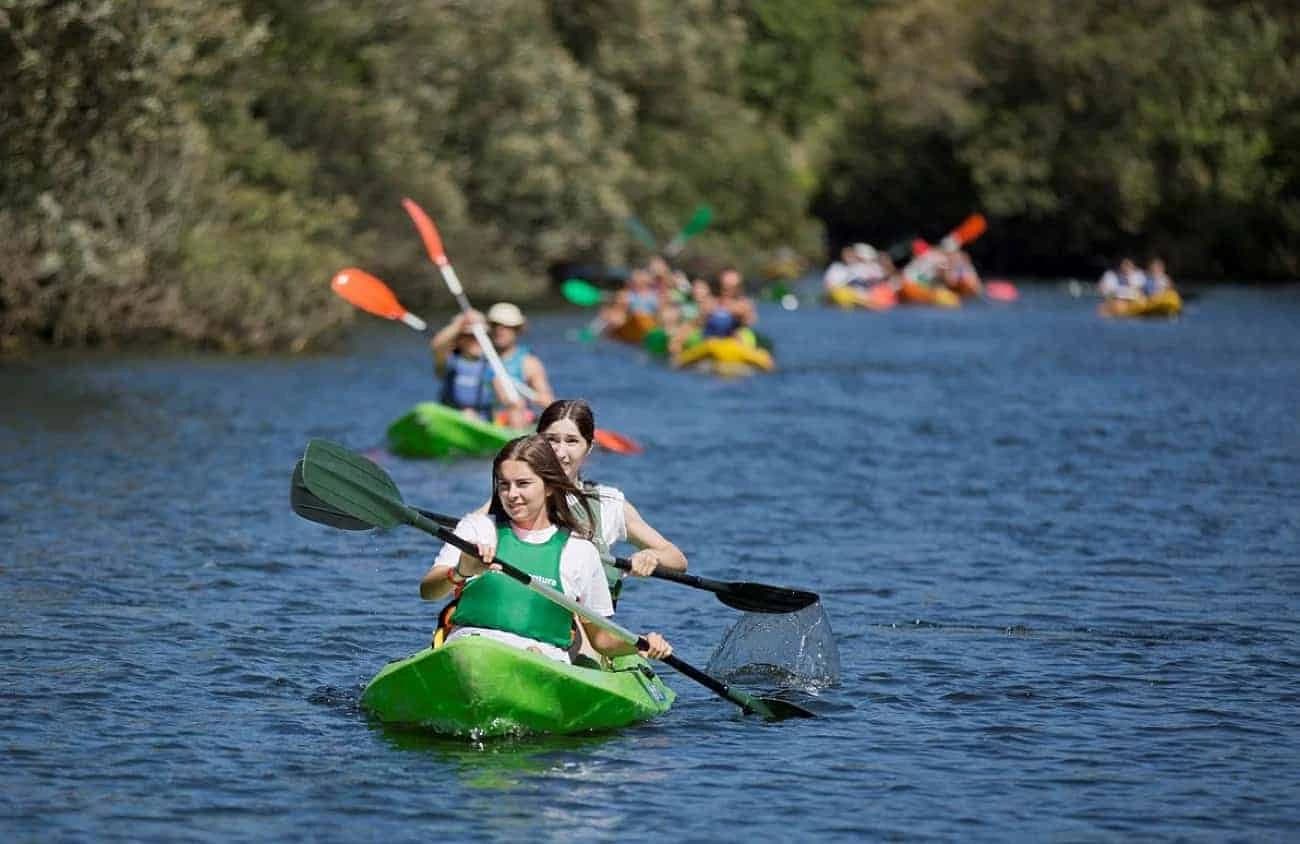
496, 764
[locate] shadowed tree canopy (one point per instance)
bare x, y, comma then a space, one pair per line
194, 171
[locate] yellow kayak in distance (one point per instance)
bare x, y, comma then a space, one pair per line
879, 297
728, 356
1166, 303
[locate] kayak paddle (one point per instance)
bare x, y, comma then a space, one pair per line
698, 222
362, 490
970, 228
371, 295
738, 594
581, 293
1001, 291
741, 595
585, 295
438, 255
643, 234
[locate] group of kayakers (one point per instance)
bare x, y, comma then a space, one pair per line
1128, 281
468, 381
544, 518
871, 276
686, 310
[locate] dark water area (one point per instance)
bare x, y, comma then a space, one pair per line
1060, 556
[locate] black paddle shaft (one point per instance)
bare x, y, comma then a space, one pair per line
747, 597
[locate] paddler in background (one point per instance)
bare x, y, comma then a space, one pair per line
466, 376
1127, 283
505, 323
688, 327
732, 313
1157, 280
672, 288
635, 309
957, 272
850, 270
531, 525
569, 426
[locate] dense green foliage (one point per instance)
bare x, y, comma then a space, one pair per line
1084, 130
194, 171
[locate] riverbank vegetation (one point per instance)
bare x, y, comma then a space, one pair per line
194, 171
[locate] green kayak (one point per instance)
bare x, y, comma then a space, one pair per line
431, 429
478, 687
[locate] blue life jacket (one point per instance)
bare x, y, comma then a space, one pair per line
468, 384
642, 302
721, 323
514, 367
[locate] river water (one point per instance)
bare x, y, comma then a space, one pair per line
1060, 556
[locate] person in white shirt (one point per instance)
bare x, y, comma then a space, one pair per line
532, 526
1125, 284
570, 427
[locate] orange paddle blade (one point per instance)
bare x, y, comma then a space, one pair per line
428, 231
372, 296
616, 443
970, 228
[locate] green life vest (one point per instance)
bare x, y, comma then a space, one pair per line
498, 602
613, 575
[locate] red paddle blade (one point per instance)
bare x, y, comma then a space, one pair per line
1001, 291
616, 443
428, 231
367, 293
372, 296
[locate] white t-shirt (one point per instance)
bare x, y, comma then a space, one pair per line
582, 577
613, 518
837, 275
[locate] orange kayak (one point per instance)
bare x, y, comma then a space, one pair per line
966, 288
635, 328
912, 293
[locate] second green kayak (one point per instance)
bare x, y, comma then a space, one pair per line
479, 687
432, 429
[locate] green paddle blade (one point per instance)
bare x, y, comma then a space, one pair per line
698, 222
354, 485
313, 509
581, 293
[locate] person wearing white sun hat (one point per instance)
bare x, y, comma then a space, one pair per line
505, 323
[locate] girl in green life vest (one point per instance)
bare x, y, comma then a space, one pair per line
531, 525
570, 428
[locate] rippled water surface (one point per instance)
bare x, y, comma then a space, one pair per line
1060, 556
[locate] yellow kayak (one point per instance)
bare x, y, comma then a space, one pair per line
1166, 303
725, 356
879, 297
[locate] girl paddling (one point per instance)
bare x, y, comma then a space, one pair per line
531, 524
569, 426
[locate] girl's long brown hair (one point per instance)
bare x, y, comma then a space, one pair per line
540, 457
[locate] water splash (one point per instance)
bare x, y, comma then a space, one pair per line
794, 650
